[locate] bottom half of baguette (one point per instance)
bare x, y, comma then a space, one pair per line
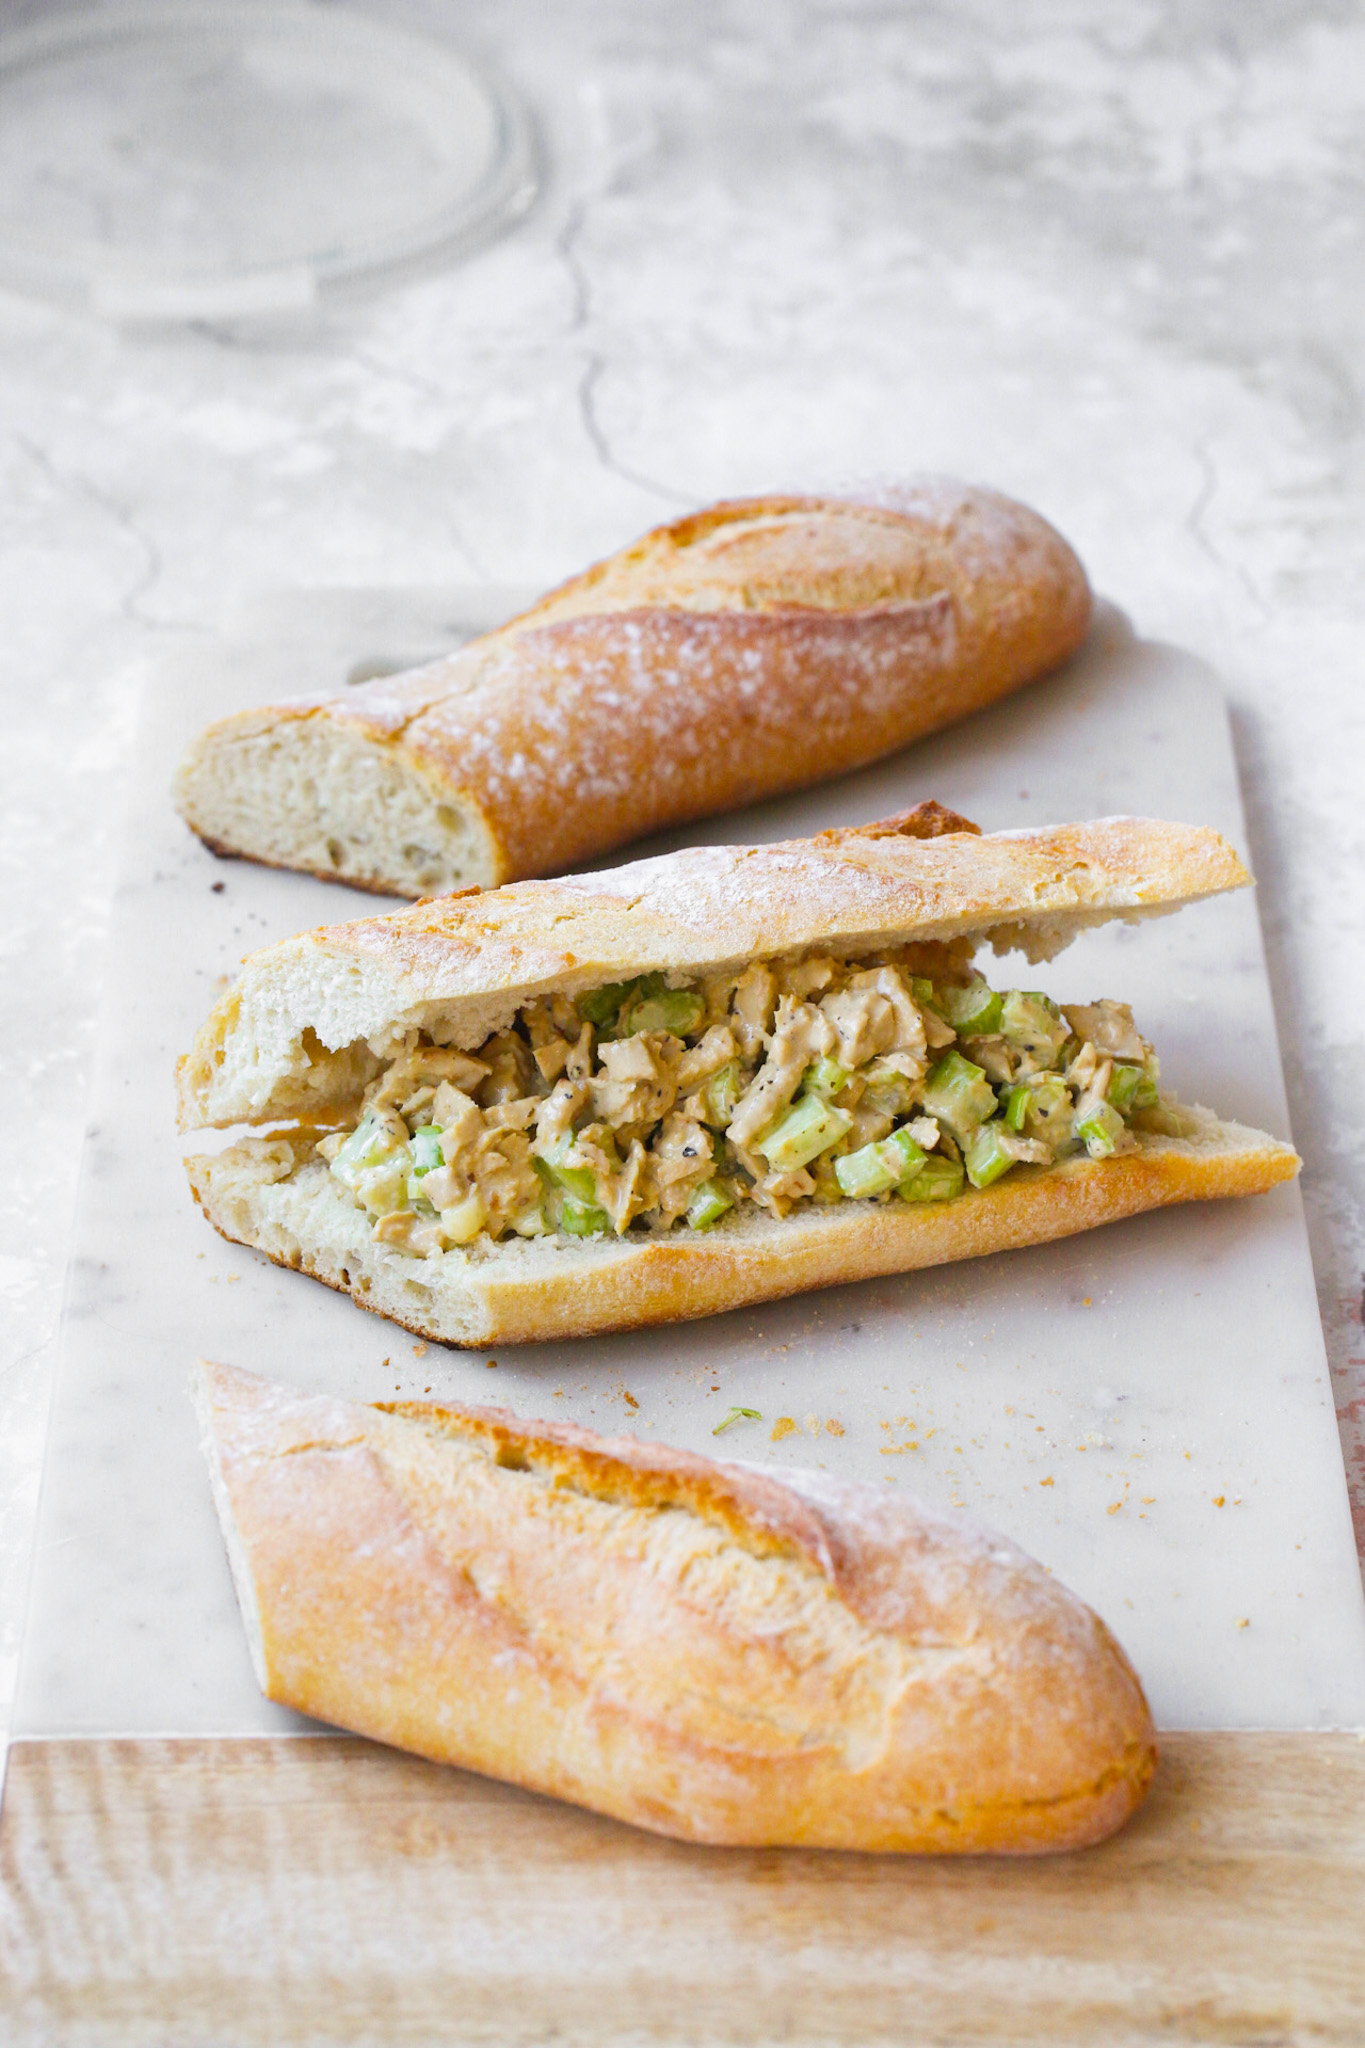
275, 1194
707, 1650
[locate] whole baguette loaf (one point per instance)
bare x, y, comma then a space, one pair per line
751, 648
703, 1649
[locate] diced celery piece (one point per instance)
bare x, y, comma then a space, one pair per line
1131, 1088
426, 1156
905, 1154
986, 1157
973, 1011
1032, 1021
370, 1144
889, 1163
464, 1219
1048, 1114
426, 1146
580, 1181
865, 1172
679, 1010
825, 1078
583, 1219
751, 1414
938, 1180
1100, 1129
720, 1094
959, 1095
925, 994
709, 1204
530, 1222
599, 1006
809, 1127
1014, 1105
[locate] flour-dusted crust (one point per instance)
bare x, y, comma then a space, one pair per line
711, 1652
755, 647
273, 1194
305, 1027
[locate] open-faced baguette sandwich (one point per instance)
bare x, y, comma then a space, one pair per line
747, 649
705, 1649
703, 1080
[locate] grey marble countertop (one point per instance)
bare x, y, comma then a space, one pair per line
1106, 256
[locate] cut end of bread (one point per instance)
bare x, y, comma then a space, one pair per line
321, 794
749, 649
276, 1195
207, 1387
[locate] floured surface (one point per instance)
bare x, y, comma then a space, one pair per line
1146, 1409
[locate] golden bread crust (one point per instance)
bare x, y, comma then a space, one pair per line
574, 1614
462, 964
515, 1294
753, 648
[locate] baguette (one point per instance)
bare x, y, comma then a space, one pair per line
751, 648
546, 1229
705, 1650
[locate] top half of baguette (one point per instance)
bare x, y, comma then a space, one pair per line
714, 1651
754, 647
306, 1025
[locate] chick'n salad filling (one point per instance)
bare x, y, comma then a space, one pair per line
902, 1077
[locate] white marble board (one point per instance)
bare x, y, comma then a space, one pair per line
1146, 1408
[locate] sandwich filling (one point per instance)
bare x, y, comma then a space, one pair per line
900, 1077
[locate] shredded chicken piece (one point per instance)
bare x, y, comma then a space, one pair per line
425, 1066
802, 1035
905, 1032
624, 1190
410, 1232
998, 1060
460, 1120
810, 976
1081, 1071
578, 1065
552, 1056
1109, 1028
504, 1175
752, 1008
1028, 1151
555, 1117
511, 1070
638, 1085
681, 1160
707, 1057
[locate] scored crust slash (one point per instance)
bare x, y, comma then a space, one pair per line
708, 1079
708, 1651
751, 648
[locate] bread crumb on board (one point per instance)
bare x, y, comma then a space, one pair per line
785, 1425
